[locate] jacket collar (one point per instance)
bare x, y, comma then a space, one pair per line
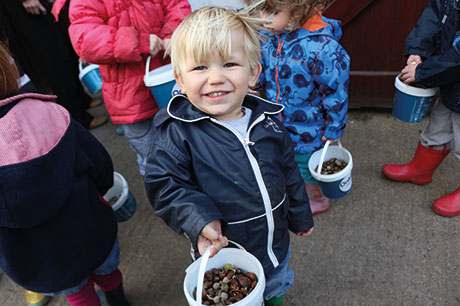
180, 108
314, 23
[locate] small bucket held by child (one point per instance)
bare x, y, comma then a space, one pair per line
161, 83
411, 103
239, 258
122, 200
90, 77
335, 185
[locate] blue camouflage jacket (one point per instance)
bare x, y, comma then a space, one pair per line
308, 72
433, 38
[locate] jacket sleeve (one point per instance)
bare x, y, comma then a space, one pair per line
332, 73
174, 192
176, 11
100, 168
300, 217
439, 70
420, 40
100, 43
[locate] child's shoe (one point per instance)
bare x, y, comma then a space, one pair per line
116, 297
120, 130
318, 202
35, 299
276, 301
448, 205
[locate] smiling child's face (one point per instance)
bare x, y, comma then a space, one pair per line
217, 86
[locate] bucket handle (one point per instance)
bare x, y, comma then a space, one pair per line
80, 66
147, 66
323, 154
201, 271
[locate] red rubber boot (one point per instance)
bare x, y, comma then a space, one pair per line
420, 169
448, 205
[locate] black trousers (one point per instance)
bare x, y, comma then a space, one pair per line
43, 49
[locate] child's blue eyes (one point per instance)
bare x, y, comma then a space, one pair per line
199, 68
228, 65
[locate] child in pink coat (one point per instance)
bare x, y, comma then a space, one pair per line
119, 36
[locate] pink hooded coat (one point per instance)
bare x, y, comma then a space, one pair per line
115, 35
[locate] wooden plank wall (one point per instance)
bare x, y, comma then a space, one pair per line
375, 32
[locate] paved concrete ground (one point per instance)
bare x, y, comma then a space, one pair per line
380, 245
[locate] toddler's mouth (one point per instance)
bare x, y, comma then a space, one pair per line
216, 94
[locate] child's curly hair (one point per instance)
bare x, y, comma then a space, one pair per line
301, 10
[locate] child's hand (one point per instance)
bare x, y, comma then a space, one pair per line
324, 139
305, 234
414, 59
212, 234
166, 43
34, 7
408, 73
156, 44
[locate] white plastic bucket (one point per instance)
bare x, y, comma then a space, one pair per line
239, 258
411, 103
335, 185
90, 77
161, 83
125, 206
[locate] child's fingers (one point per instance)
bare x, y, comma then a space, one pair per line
218, 244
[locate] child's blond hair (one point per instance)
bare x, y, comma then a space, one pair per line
207, 32
301, 10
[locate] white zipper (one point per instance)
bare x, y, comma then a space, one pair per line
260, 182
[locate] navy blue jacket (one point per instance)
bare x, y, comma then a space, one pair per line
200, 170
54, 229
432, 38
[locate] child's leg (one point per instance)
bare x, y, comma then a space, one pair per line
139, 135
318, 202
109, 278
87, 296
278, 282
112, 286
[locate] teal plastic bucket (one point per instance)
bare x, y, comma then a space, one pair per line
161, 83
125, 206
337, 185
90, 77
411, 103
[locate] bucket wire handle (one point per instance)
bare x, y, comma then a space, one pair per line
80, 66
202, 270
323, 154
147, 66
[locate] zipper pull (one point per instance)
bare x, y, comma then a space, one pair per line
248, 143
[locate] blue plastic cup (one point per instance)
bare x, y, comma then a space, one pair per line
337, 185
122, 200
411, 103
161, 83
90, 77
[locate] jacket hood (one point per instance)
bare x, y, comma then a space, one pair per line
331, 28
180, 108
35, 180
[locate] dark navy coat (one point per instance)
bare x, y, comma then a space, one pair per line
54, 229
433, 39
200, 170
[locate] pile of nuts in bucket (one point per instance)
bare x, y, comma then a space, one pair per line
226, 286
332, 166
